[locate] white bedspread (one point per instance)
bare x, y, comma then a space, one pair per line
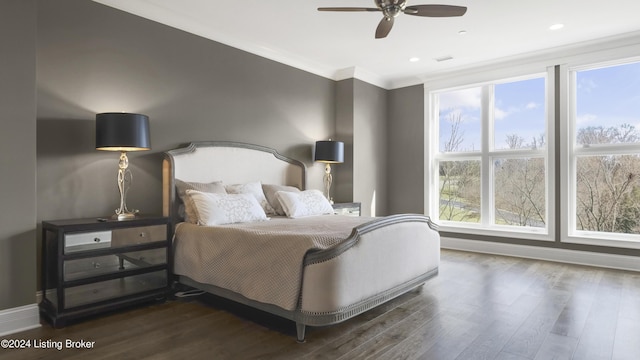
260, 260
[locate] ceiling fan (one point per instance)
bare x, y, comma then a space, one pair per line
392, 8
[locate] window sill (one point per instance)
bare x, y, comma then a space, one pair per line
501, 231
600, 239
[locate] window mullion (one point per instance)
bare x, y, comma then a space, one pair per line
486, 180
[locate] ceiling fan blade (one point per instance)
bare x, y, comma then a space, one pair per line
435, 10
384, 27
347, 9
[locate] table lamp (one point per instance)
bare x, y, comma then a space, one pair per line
123, 132
329, 152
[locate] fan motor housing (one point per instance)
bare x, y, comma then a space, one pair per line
391, 8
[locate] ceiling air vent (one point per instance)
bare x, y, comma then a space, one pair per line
444, 58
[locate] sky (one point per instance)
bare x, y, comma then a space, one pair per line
609, 96
605, 97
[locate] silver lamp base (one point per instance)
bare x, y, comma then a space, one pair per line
124, 182
126, 216
328, 180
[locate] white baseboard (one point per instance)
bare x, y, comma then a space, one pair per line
611, 261
19, 319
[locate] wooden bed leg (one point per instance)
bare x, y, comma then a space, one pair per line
300, 332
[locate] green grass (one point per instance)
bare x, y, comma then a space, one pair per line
457, 214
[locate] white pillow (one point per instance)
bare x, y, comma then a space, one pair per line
304, 203
270, 191
187, 210
218, 209
255, 189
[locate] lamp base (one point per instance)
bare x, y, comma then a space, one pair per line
125, 216
327, 179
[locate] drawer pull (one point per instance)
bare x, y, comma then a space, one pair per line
96, 239
96, 265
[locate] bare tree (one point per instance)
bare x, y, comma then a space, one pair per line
459, 180
456, 136
607, 194
608, 187
520, 192
520, 186
514, 141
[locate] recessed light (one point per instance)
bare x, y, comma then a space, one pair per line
414, 59
556, 26
462, 32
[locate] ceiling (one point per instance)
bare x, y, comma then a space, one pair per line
341, 45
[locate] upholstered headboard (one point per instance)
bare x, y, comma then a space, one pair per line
229, 162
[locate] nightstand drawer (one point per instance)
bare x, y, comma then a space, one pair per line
86, 241
349, 209
111, 289
138, 235
108, 264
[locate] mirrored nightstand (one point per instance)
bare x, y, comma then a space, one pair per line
91, 266
351, 209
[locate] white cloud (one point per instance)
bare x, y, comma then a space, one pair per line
586, 119
467, 98
586, 85
500, 114
454, 102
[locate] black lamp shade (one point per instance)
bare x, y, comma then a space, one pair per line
329, 151
122, 132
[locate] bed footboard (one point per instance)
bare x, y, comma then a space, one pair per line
381, 260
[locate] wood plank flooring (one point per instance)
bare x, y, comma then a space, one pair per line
478, 307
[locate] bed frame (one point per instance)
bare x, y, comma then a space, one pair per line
381, 259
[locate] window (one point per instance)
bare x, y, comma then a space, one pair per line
489, 156
603, 188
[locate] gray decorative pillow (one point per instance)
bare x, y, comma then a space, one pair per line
255, 189
270, 191
187, 211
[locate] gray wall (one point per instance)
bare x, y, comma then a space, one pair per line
92, 58
17, 153
370, 148
361, 123
342, 189
405, 159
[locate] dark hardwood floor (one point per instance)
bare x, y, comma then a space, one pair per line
478, 307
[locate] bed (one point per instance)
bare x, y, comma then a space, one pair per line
314, 270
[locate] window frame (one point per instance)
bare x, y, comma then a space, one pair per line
433, 156
569, 152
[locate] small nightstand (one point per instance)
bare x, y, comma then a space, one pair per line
91, 266
352, 209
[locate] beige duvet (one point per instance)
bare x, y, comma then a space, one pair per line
262, 261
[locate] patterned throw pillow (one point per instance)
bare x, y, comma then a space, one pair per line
219, 209
304, 203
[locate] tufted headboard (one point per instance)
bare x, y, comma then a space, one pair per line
229, 162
